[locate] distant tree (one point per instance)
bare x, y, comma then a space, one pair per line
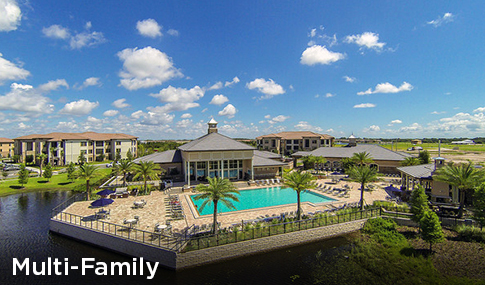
41, 157
101, 157
419, 203
48, 172
362, 158
364, 175
23, 175
71, 171
431, 231
299, 181
87, 172
310, 161
424, 157
479, 204
53, 151
123, 166
118, 156
409, 161
141, 150
81, 159
129, 155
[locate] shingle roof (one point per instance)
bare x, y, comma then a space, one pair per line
267, 154
214, 142
77, 136
5, 140
295, 135
418, 171
169, 156
259, 161
375, 151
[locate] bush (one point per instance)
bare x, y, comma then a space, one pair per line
392, 206
384, 231
470, 233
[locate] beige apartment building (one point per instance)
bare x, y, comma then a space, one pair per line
6, 147
64, 148
290, 142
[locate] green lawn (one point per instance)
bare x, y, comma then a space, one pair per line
57, 182
402, 146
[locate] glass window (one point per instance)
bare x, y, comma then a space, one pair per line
118, 143
84, 144
201, 165
99, 143
295, 142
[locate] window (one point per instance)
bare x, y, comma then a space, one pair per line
288, 147
90, 151
90, 143
213, 164
296, 142
266, 141
273, 143
99, 144
201, 165
84, 144
314, 142
307, 143
322, 142
83, 151
295, 147
30, 145
288, 141
118, 150
99, 151
118, 143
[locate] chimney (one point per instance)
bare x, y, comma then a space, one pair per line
212, 126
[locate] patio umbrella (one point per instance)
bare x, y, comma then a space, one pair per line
105, 192
392, 188
102, 202
337, 173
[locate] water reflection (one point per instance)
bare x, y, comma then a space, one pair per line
24, 233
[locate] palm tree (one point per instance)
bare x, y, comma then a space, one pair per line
145, 169
464, 177
363, 174
123, 166
218, 190
409, 161
87, 172
299, 181
362, 158
41, 157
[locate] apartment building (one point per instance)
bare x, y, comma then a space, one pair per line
289, 142
6, 147
64, 148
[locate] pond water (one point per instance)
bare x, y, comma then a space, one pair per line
24, 233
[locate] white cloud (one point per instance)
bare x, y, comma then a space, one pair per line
349, 79
268, 88
91, 81
186, 116
10, 15
149, 28
319, 55
218, 100
204, 110
173, 32
446, 18
179, 99
56, 32
368, 39
387, 88
228, 111
414, 127
267, 117
437, 113
111, 113
120, 103
11, 71
278, 119
479, 110
154, 116
373, 128
79, 108
317, 36
235, 80
218, 85
305, 126
365, 105
53, 85
144, 68
25, 98
462, 123
329, 95
394, 122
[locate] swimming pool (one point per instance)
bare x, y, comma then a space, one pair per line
263, 197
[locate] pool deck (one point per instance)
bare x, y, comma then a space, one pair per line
155, 209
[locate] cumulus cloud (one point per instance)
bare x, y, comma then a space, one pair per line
320, 55
387, 88
11, 71
120, 103
53, 85
79, 108
446, 18
437, 113
146, 67
10, 15
111, 113
76, 40
218, 85
373, 128
268, 88
479, 110
149, 28
173, 32
349, 79
186, 116
235, 80
368, 39
26, 98
228, 111
179, 99
154, 116
394, 122
305, 126
277, 119
91, 81
414, 127
218, 100
56, 32
365, 105
329, 95
317, 36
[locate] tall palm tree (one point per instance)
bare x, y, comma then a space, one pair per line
299, 181
87, 172
363, 174
123, 166
41, 157
362, 158
218, 190
145, 169
464, 177
409, 161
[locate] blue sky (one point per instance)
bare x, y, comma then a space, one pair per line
391, 69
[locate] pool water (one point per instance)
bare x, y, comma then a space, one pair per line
263, 197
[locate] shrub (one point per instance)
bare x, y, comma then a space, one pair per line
470, 233
384, 231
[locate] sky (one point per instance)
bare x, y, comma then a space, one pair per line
162, 69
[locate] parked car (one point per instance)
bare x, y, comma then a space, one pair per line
111, 164
9, 167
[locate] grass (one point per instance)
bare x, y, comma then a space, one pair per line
402, 146
57, 182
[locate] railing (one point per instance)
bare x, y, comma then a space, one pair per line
250, 232
75, 198
123, 231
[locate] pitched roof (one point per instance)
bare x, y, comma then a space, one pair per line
296, 135
418, 171
168, 156
214, 142
375, 151
267, 154
5, 140
77, 136
259, 161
